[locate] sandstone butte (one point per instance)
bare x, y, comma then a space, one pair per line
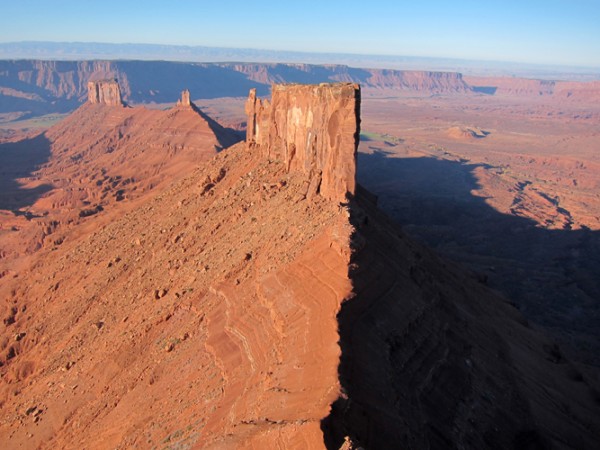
264, 301
105, 92
100, 155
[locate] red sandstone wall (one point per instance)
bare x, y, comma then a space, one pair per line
314, 129
105, 92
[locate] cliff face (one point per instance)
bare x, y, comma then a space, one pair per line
418, 81
105, 92
60, 85
42, 87
412, 80
230, 310
314, 130
62, 79
522, 87
50, 86
432, 359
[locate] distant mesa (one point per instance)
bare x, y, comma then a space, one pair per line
466, 133
46, 87
314, 129
105, 92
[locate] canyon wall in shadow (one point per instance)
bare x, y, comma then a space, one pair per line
551, 275
42, 87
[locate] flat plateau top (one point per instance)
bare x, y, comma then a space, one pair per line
333, 87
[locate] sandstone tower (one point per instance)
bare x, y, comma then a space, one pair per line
105, 92
314, 129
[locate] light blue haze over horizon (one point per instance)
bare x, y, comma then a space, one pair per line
558, 32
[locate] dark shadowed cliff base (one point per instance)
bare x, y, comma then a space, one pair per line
551, 274
431, 358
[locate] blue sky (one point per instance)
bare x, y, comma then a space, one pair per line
551, 31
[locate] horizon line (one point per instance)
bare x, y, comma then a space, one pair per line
414, 58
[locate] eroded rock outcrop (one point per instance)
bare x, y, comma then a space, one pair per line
184, 101
466, 133
313, 129
228, 311
106, 92
417, 81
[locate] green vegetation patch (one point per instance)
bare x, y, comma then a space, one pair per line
389, 139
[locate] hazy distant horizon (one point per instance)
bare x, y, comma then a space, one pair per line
69, 51
547, 32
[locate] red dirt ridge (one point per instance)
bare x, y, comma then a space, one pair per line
99, 157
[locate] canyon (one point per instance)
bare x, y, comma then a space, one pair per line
33, 88
208, 315
162, 291
507, 186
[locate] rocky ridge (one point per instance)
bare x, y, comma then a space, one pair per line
34, 85
234, 310
101, 157
33, 88
231, 275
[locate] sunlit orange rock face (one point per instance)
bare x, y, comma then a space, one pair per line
312, 129
105, 92
262, 300
102, 156
205, 315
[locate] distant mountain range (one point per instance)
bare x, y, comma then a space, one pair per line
94, 50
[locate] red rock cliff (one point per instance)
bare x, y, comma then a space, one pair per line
105, 92
314, 129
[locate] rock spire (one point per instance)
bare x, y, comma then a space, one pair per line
184, 101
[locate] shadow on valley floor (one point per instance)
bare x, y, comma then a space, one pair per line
163, 81
225, 136
430, 357
19, 160
551, 275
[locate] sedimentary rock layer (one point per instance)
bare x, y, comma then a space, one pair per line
232, 309
105, 92
313, 130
